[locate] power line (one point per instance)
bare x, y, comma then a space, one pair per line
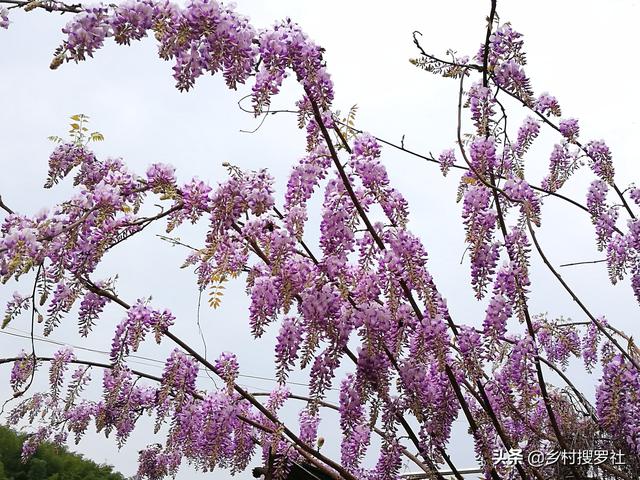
159, 363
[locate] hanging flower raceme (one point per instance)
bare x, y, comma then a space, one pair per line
195, 198
78, 418
559, 342
527, 133
562, 164
429, 394
161, 177
470, 344
483, 157
63, 298
389, 460
602, 216
57, 369
211, 433
15, 306
130, 333
132, 19
309, 427
480, 222
86, 33
154, 464
570, 129
590, 343
518, 248
177, 386
618, 402
65, 158
201, 37
600, 160
405, 261
355, 430
504, 44
619, 257
520, 192
337, 238
548, 105
303, 180
365, 161
518, 373
227, 368
20, 246
23, 369
482, 106
4, 18
180, 373
265, 302
283, 47
243, 193
510, 76
447, 160
323, 370
122, 403
498, 313
287, 346
91, 307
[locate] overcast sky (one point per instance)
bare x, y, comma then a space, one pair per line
584, 52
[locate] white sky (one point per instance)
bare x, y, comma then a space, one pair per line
581, 51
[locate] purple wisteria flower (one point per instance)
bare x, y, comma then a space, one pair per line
161, 175
22, 370
548, 105
600, 160
447, 159
527, 133
569, 129
4, 18
482, 105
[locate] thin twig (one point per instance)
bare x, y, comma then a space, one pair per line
589, 262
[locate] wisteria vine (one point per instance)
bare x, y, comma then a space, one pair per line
366, 301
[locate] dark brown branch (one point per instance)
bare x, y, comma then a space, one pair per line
439, 60
485, 54
332, 406
621, 334
48, 5
585, 403
4, 207
575, 298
